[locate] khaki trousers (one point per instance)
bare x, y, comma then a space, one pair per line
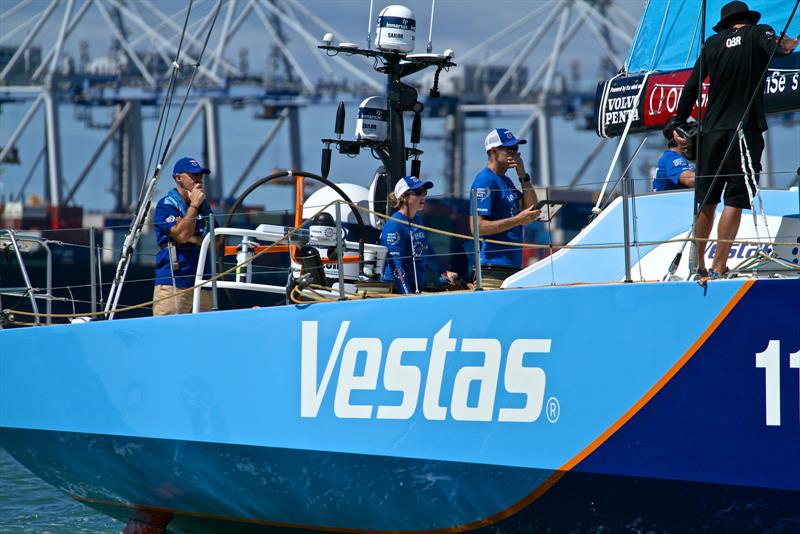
178, 303
493, 276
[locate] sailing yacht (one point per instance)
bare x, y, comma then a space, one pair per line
597, 388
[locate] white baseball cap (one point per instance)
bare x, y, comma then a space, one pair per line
502, 137
410, 183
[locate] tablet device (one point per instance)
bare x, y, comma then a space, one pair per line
549, 208
539, 205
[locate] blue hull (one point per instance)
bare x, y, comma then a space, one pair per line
260, 483
313, 424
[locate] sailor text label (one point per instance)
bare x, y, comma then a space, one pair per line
524, 382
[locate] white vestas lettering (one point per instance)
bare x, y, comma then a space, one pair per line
442, 344
311, 396
529, 381
485, 375
403, 378
406, 379
349, 381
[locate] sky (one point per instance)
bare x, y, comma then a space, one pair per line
458, 24
507, 29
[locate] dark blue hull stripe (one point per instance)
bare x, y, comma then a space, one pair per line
232, 501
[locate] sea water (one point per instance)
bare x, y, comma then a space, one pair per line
28, 505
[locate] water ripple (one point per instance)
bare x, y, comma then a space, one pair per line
30, 506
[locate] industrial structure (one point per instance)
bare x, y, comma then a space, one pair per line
38, 67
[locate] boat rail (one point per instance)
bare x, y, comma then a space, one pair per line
598, 245
9, 239
275, 235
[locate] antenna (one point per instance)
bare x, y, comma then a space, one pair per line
369, 26
416, 127
416, 133
326, 161
339, 126
326, 151
430, 28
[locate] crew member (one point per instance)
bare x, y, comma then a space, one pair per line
181, 221
674, 171
503, 210
409, 253
734, 60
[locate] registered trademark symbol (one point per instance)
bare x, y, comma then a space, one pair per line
553, 409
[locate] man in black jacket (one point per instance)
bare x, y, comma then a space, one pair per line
734, 60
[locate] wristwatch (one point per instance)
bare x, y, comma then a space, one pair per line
525, 179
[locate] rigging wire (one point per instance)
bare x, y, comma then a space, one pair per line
191, 80
693, 251
673, 266
430, 28
164, 113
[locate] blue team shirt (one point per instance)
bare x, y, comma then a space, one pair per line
169, 211
498, 199
398, 237
670, 167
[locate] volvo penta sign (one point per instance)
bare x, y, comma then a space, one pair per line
615, 103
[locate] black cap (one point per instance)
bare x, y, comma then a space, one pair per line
735, 10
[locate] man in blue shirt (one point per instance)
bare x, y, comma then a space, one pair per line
181, 220
503, 210
674, 170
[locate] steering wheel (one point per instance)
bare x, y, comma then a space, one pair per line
284, 174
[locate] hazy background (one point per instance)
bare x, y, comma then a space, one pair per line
458, 24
